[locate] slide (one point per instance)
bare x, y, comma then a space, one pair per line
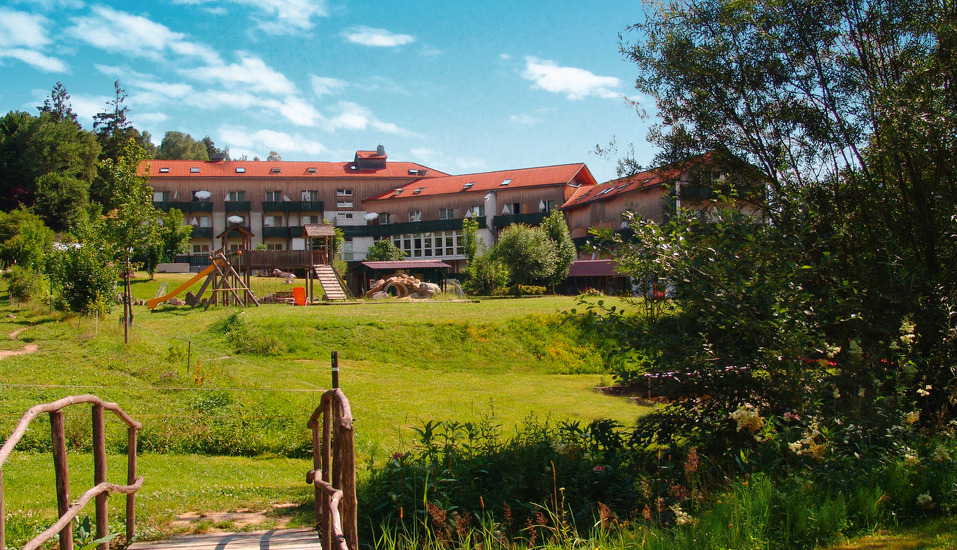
150, 304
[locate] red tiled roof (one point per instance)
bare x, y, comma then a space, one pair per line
576, 174
614, 188
264, 169
407, 264
593, 268
370, 155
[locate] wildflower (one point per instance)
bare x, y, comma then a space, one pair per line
681, 517
911, 459
832, 351
795, 447
598, 469
860, 392
837, 393
912, 417
396, 456
925, 391
791, 416
691, 465
907, 331
925, 501
748, 418
941, 454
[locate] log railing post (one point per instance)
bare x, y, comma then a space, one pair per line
3, 516
130, 479
60, 468
99, 475
326, 457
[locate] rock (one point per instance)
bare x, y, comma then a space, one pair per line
378, 295
176, 302
11, 316
190, 298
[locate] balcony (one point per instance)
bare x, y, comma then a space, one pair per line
356, 230
292, 206
282, 232
184, 206
202, 233
295, 231
238, 206
511, 219
406, 228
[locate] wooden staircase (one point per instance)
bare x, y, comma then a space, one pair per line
331, 286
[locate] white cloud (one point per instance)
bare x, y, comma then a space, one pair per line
356, 117
268, 140
505, 56
368, 36
291, 16
152, 118
324, 85
524, 119
470, 164
574, 83
136, 36
48, 5
36, 59
87, 106
21, 29
426, 155
251, 73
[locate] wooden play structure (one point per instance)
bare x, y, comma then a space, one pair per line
223, 281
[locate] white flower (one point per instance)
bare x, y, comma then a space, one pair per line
925, 501
681, 517
941, 454
748, 418
925, 391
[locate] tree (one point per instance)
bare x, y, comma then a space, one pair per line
211, 149
384, 251
557, 231
84, 275
470, 240
58, 105
61, 200
133, 225
24, 240
113, 130
180, 146
845, 111
274, 156
527, 252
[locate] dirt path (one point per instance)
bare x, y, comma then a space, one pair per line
29, 348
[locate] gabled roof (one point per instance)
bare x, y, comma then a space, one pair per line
286, 169
318, 230
614, 188
565, 174
407, 264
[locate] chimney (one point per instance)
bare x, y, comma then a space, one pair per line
380, 151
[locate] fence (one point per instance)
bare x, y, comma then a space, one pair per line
66, 510
334, 468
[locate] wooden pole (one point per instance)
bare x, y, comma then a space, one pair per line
130, 479
326, 473
335, 370
99, 475
3, 516
61, 470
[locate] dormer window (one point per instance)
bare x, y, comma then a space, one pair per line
468, 185
311, 170
419, 190
275, 170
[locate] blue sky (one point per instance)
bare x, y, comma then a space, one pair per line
458, 86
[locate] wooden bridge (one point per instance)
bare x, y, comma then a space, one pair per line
333, 476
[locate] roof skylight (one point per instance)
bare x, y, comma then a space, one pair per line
240, 170
164, 170
194, 170
506, 182
468, 185
311, 170
275, 170
419, 190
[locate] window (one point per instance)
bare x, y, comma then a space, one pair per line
164, 170
468, 185
478, 211
240, 170
415, 215
234, 196
310, 219
343, 192
273, 196
506, 182
385, 218
344, 204
234, 247
200, 249
274, 246
194, 170
344, 215
310, 196
548, 206
272, 221
446, 213
160, 196
275, 170
204, 221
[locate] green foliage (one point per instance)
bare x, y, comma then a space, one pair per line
61, 200
84, 276
180, 146
528, 252
133, 226
24, 239
471, 242
488, 276
565, 253
23, 284
528, 290
383, 250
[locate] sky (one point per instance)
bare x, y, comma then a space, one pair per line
460, 87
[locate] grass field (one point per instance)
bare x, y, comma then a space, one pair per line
259, 372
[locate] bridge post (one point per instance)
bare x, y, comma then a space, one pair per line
99, 475
60, 469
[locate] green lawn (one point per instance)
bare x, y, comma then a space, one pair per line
402, 364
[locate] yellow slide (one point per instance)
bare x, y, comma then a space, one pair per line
150, 304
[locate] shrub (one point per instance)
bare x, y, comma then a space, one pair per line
23, 284
246, 340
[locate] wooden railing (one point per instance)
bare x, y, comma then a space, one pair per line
102, 488
334, 469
